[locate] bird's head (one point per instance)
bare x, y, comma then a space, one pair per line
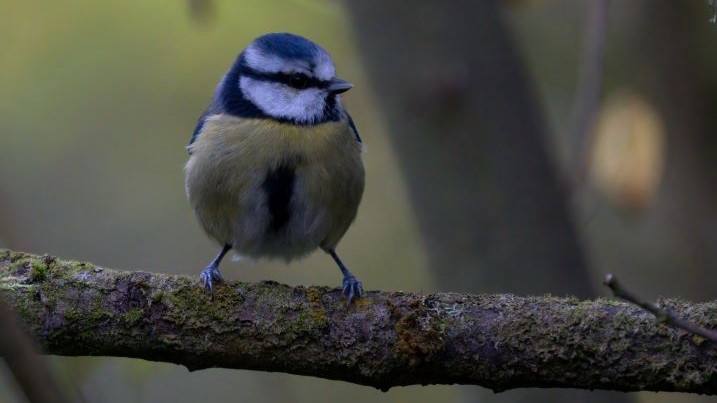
284, 77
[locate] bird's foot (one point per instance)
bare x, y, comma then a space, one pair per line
209, 276
351, 287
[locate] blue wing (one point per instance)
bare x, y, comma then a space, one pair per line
197, 130
213, 109
353, 127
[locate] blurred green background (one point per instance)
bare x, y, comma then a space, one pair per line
99, 100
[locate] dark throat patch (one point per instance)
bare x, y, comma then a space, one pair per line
279, 186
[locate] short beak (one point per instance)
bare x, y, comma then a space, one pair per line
337, 86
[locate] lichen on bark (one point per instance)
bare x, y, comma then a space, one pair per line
383, 340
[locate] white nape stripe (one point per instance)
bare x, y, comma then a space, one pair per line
257, 60
269, 63
280, 101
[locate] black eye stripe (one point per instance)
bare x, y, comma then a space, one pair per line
289, 79
298, 81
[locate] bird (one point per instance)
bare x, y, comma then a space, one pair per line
275, 164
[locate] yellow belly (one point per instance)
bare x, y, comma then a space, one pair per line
229, 164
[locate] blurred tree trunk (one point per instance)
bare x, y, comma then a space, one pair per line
471, 141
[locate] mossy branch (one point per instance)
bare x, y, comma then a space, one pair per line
383, 340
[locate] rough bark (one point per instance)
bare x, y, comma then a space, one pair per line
386, 339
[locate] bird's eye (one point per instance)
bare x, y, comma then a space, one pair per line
298, 81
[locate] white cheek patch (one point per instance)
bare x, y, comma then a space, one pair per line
280, 101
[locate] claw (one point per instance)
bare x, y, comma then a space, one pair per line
210, 275
351, 287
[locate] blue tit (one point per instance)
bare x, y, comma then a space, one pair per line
275, 167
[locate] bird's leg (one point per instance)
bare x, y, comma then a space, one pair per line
211, 273
351, 286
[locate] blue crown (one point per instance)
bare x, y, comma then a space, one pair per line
288, 46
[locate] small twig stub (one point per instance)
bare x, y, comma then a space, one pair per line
662, 315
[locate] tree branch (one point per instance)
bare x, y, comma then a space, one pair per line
383, 340
661, 315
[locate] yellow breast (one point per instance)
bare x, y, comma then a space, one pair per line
230, 161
